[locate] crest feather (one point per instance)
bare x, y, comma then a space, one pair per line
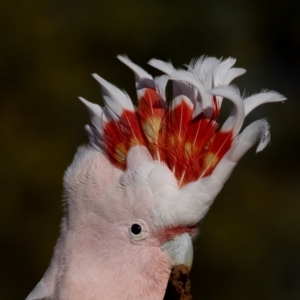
184, 134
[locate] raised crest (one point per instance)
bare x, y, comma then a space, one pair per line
185, 133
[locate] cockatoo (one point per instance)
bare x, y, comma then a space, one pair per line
135, 196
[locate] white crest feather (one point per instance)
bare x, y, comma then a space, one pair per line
115, 100
265, 97
165, 67
142, 78
95, 111
161, 83
186, 76
232, 94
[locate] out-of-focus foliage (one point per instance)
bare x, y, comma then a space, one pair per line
250, 243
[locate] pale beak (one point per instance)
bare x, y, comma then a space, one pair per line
180, 250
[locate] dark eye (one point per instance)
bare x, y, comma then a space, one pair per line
136, 229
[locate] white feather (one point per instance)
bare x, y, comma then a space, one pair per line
187, 205
221, 70
203, 67
95, 137
186, 76
115, 100
179, 87
161, 83
139, 72
256, 132
232, 74
233, 95
96, 113
266, 97
165, 67
213, 72
183, 88
142, 78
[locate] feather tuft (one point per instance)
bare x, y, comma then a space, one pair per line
183, 134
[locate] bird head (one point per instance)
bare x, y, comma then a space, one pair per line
174, 155
136, 195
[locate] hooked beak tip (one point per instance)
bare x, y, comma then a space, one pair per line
180, 250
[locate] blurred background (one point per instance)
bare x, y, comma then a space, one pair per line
249, 245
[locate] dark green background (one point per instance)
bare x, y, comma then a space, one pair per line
249, 245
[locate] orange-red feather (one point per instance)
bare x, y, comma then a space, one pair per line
191, 147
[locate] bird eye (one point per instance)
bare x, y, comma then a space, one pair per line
136, 229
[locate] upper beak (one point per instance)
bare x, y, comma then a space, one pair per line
180, 250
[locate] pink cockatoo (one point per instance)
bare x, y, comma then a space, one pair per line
135, 196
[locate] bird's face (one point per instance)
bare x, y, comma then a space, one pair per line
127, 211
123, 222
